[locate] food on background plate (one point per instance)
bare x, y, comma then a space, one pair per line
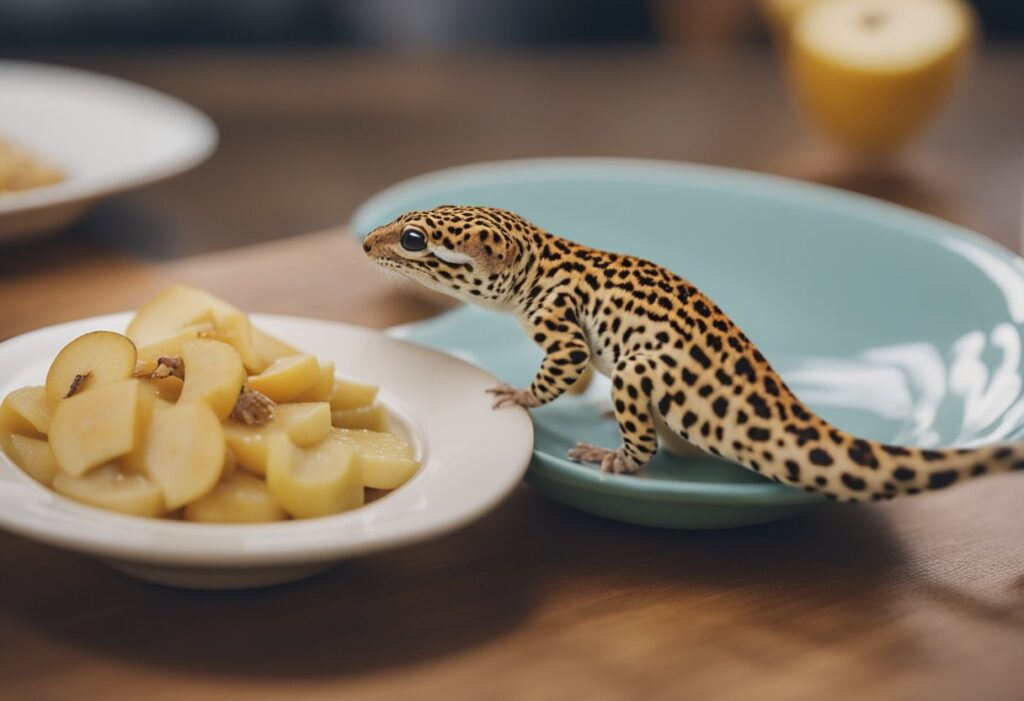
20, 170
195, 414
872, 73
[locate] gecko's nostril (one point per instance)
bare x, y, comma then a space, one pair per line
367, 246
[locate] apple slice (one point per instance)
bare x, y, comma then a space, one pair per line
305, 423
240, 498
235, 330
95, 427
287, 378
385, 460
149, 354
321, 390
213, 374
25, 412
33, 455
183, 452
151, 405
230, 464
89, 361
352, 395
109, 487
271, 348
174, 309
372, 418
165, 389
311, 482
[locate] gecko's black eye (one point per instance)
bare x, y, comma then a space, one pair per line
413, 240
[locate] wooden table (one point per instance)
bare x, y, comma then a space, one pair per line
920, 598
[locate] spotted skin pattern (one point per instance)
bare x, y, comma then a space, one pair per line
667, 348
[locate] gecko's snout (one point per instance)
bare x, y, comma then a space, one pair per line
372, 242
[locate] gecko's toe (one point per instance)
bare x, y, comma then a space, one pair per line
622, 464
507, 394
500, 400
585, 452
615, 462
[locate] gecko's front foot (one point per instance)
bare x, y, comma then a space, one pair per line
614, 461
507, 394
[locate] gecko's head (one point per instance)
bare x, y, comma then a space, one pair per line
472, 253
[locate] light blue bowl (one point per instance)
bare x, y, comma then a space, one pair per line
891, 324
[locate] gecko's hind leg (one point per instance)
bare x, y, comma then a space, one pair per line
631, 398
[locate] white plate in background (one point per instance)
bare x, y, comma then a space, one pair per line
105, 134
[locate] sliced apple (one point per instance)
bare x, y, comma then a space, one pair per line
89, 361
311, 482
25, 411
148, 355
240, 498
213, 374
95, 427
13, 421
271, 348
385, 460
352, 395
183, 452
174, 309
166, 389
287, 378
151, 404
321, 390
33, 455
372, 418
109, 487
230, 464
248, 444
305, 423
235, 330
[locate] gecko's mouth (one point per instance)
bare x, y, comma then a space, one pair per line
425, 264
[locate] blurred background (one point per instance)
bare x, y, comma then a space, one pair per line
411, 25
321, 103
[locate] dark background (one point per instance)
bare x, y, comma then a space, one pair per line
410, 24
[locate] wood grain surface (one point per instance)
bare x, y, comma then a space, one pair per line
921, 598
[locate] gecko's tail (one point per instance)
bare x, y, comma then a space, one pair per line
848, 468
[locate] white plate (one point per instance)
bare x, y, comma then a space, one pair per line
471, 456
106, 135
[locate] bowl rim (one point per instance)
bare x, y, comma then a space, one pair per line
423, 508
